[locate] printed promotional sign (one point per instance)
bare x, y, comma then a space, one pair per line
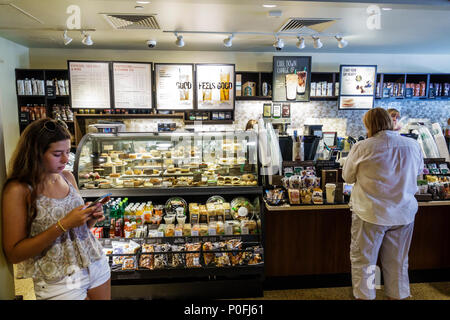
89, 84
291, 78
174, 86
132, 85
215, 86
357, 86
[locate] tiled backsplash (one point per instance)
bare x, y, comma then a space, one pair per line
345, 122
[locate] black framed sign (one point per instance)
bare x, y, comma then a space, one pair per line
174, 85
357, 87
291, 78
132, 83
90, 84
215, 88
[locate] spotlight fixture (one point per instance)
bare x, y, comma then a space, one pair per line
180, 41
317, 43
67, 39
301, 42
278, 44
341, 42
227, 42
87, 39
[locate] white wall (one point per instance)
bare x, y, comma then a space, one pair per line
245, 61
11, 56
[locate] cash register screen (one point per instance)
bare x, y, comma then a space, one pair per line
329, 138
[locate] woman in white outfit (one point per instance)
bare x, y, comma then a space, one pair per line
45, 222
384, 169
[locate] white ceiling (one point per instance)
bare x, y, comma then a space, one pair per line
408, 28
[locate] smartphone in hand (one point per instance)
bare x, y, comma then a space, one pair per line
99, 199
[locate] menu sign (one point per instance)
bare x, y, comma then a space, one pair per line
174, 86
132, 85
215, 86
356, 89
89, 84
291, 78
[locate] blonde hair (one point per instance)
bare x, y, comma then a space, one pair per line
376, 120
250, 124
393, 112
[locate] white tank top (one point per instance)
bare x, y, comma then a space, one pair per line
70, 252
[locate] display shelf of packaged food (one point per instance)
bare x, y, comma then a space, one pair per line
201, 272
343, 206
299, 207
169, 191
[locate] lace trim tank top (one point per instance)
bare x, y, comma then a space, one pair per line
70, 252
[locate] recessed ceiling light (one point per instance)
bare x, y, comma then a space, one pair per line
143, 2
269, 5
139, 7
386, 9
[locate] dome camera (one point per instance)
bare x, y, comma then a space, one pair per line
278, 44
151, 43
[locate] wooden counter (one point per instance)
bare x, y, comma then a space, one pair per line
315, 239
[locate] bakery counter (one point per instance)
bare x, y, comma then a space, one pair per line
288, 207
315, 239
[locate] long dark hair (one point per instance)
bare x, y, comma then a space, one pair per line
25, 165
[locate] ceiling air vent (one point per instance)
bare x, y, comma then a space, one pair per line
302, 25
132, 21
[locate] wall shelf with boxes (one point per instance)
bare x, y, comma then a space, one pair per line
324, 85
208, 117
421, 86
43, 93
252, 85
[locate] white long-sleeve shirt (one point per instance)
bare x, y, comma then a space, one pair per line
384, 169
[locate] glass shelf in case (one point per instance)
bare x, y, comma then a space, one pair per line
167, 160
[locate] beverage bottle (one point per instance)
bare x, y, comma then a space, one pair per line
112, 228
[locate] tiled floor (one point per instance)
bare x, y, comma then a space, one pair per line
419, 291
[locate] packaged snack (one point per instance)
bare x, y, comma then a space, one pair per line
161, 256
177, 259
220, 228
193, 257
294, 196
208, 257
256, 256
235, 256
187, 230
317, 196
195, 230
129, 263
170, 230
203, 230
147, 260
221, 258
306, 196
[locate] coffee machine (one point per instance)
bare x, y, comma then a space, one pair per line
311, 139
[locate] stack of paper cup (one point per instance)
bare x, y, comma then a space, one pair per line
330, 191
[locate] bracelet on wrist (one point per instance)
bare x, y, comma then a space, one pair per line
61, 226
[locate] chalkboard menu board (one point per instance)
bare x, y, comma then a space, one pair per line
357, 86
132, 85
89, 84
215, 86
291, 78
174, 86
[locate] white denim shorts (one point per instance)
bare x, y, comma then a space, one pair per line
75, 286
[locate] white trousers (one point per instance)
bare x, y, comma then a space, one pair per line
392, 243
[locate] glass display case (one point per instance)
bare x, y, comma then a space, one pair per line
166, 160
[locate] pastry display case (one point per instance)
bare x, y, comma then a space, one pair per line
167, 160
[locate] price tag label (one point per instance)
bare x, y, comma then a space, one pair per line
178, 233
229, 230
212, 231
244, 230
194, 233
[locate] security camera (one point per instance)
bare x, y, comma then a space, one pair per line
151, 43
278, 44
